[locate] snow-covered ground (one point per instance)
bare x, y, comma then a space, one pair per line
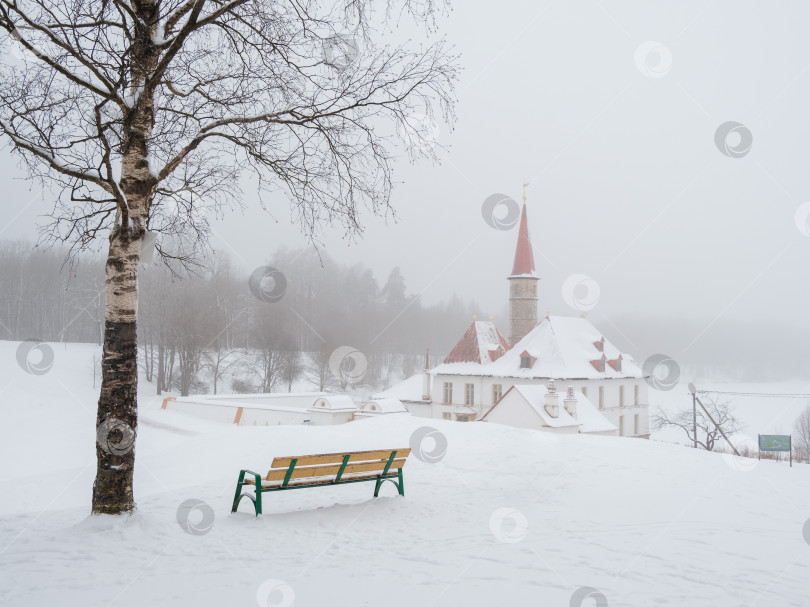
506, 517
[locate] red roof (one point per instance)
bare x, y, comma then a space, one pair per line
524, 258
482, 344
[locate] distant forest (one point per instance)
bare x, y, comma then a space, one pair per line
190, 322
191, 327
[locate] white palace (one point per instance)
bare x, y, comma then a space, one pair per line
559, 374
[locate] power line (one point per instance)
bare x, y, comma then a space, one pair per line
755, 394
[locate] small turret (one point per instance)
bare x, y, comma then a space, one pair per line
426, 377
552, 399
570, 402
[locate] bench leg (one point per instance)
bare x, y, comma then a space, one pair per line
236, 498
400, 484
257, 501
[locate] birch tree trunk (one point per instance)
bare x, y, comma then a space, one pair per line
118, 403
117, 415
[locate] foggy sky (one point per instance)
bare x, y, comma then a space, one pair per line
627, 185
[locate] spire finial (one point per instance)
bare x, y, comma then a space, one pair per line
525, 185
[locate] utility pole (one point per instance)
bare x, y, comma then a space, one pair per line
693, 390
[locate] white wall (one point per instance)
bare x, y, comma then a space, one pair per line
612, 410
516, 412
259, 417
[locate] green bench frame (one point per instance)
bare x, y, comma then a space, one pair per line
319, 471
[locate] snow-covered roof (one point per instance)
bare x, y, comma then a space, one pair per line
333, 403
481, 344
409, 389
588, 417
563, 347
535, 396
462, 409
383, 405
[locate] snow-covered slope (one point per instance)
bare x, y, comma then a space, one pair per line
506, 517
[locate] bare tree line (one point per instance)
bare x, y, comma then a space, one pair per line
208, 333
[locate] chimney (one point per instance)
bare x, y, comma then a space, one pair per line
552, 399
426, 377
571, 402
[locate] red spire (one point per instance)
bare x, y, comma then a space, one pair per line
524, 259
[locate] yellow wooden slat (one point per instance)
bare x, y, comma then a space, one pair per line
332, 470
337, 458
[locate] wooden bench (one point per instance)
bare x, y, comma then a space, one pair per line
305, 471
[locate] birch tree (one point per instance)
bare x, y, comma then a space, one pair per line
142, 115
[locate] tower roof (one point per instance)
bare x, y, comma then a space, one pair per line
482, 344
524, 258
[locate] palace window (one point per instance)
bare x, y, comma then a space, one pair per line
635, 395
636, 424
525, 362
447, 415
448, 393
584, 391
621, 425
601, 397
621, 396
469, 394
497, 392
465, 418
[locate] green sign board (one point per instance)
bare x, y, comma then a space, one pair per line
774, 442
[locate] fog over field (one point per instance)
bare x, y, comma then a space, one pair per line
695, 253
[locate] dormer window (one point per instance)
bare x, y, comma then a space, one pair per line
616, 365
600, 345
599, 365
526, 360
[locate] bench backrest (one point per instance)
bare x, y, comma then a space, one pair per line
329, 464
